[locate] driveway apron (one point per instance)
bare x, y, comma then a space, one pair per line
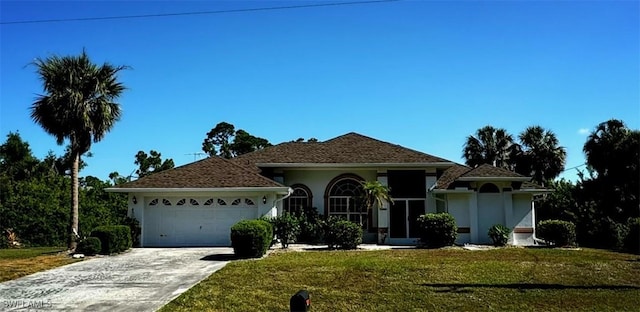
143, 279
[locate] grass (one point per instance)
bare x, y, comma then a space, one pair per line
511, 279
16, 263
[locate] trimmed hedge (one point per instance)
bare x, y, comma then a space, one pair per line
113, 238
437, 230
89, 246
342, 234
251, 238
499, 234
286, 228
557, 232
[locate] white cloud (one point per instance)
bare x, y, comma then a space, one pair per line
583, 131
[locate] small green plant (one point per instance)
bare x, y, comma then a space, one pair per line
310, 226
342, 234
286, 228
557, 232
89, 246
437, 230
113, 238
251, 238
499, 234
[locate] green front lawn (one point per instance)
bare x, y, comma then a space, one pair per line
16, 263
513, 279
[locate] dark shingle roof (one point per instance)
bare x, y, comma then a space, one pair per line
351, 148
212, 172
489, 171
450, 175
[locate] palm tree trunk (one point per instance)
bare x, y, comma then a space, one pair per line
73, 224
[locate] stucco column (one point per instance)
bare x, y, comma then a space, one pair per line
430, 201
383, 213
508, 212
473, 217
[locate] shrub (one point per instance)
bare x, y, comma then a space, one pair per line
4, 242
342, 234
499, 234
286, 228
251, 238
437, 230
311, 226
557, 232
113, 238
632, 239
89, 246
134, 227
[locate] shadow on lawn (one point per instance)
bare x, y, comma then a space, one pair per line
221, 257
522, 286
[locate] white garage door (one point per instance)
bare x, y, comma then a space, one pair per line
194, 221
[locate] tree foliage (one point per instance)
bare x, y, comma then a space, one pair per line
227, 142
78, 105
34, 200
151, 163
489, 146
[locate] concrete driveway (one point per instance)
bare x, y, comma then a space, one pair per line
143, 279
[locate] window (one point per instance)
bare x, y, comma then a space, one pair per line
345, 201
489, 188
249, 202
209, 202
181, 202
153, 202
166, 202
221, 202
236, 202
299, 200
193, 202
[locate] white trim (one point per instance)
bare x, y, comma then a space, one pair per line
279, 190
354, 165
491, 179
532, 191
437, 191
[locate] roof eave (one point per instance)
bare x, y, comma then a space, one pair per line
535, 191
447, 191
522, 179
279, 189
352, 165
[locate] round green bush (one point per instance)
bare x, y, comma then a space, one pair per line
499, 234
437, 230
286, 228
89, 246
557, 232
251, 238
342, 234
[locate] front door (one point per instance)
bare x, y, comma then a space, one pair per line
403, 226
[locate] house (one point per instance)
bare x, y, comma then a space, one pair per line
196, 204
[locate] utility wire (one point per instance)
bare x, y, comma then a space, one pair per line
574, 167
80, 19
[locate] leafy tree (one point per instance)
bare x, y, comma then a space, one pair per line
224, 141
217, 141
78, 105
16, 159
538, 155
489, 146
151, 163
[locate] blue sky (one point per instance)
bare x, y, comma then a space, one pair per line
420, 74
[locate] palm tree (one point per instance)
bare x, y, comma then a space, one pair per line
78, 105
375, 194
489, 146
539, 155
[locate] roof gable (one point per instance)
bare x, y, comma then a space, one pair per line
489, 171
212, 172
351, 148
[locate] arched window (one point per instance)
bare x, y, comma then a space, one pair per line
299, 200
489, 188
345, 200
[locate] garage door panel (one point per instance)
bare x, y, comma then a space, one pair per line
192, 225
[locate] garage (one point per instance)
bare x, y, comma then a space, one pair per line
193, 221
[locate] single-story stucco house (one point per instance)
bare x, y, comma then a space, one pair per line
196, 204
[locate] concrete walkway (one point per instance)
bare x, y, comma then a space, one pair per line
143, 279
